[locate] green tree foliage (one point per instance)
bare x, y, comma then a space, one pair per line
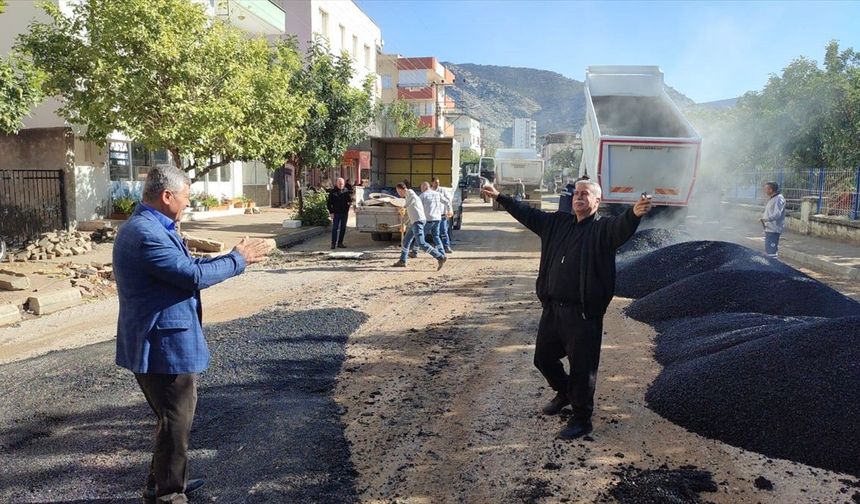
20, 90
314, 212
398, 120
339, 116
807, 116
565, 159
468, 156
170, 76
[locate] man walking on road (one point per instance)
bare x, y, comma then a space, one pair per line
445, 223
773, 219
415, 211
339, 201
575, 284
159, 331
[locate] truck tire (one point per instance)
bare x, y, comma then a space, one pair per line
376, 236
386, 236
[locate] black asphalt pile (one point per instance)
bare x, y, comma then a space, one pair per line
77, 428
690, 338
793, 394
665, 266
661, 485
743, 291
647, 240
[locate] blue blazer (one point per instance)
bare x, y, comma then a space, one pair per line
158, 282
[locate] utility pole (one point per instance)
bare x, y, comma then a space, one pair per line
440, 132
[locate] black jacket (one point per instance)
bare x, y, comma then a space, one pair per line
339, 200
577, 259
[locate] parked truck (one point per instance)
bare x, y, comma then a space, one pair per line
513, 166
635, 139
414, 160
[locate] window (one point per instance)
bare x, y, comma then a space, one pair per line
355, 47
342, 38
118, 161
324, 23
225, 172
367, 56
386, 82
428, 108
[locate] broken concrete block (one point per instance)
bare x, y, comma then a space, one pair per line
10, 280
49, 302
79, 250
204, 245
291, 224
9, 314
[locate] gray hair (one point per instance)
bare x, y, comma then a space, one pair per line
164, 178
593, 186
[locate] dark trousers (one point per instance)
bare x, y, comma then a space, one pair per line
338, 228
771, 244
563, 332
173, 399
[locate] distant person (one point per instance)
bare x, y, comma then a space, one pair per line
415, 211
773, 219
520, 190
159, 331
338, 202
434, 211
576, 282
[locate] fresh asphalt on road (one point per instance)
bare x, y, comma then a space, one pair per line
76, 427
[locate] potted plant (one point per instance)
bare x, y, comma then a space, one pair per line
122, 208
209, 202
246, 201
238, 202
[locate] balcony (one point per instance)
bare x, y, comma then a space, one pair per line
258, 17
416, 92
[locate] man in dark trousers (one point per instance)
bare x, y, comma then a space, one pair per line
159, 332
575, 283
339, 201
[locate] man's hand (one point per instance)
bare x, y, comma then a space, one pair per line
253, 251
489, 191
642, 206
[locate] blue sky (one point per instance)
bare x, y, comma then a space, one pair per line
707, 50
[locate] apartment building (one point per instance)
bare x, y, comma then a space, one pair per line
421, 83
525, 134
467, 131
75, 179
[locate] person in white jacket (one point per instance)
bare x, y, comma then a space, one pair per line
773, 218
415, 211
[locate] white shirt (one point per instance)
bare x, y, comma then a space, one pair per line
414, 207
774, 214
433, 206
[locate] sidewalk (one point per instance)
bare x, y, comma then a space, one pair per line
50, 275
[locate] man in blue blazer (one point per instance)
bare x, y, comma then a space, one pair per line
159, 332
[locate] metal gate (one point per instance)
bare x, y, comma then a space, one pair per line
31, 202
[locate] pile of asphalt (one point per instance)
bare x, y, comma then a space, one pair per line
793, 393
743, 291
645, 274
266, 428
648, 240
661, 485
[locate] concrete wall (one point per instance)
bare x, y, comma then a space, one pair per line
822, 226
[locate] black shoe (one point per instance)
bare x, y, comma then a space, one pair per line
413, 254
333, 246
192, 486
575, 429
448, 250
555, 406
441, 262
399, 264
341, 245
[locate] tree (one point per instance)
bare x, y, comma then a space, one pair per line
468, 156
20, 89
171, 77
340, 113
399, 120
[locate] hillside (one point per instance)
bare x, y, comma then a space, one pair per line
496, 95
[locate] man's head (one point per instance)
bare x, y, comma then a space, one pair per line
401, 189
434, 183
425, 186
339, 183
586, 198
167, 190
771, 188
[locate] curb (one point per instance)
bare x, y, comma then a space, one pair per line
288, 240
814, 262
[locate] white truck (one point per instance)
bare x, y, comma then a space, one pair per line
635, 139
515, 165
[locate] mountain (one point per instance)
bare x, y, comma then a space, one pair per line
496, 95
720, 104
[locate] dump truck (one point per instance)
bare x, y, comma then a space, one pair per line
636, 139
514, 165
414, 160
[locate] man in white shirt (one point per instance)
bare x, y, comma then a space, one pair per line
773, 219
445, 224
417, 219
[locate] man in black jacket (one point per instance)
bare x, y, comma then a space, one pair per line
575, 283
339, 201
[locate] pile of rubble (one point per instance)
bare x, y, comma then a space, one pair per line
54, 244
94, 279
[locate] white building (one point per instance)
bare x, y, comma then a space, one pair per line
89, 174
525, 134
467, 131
